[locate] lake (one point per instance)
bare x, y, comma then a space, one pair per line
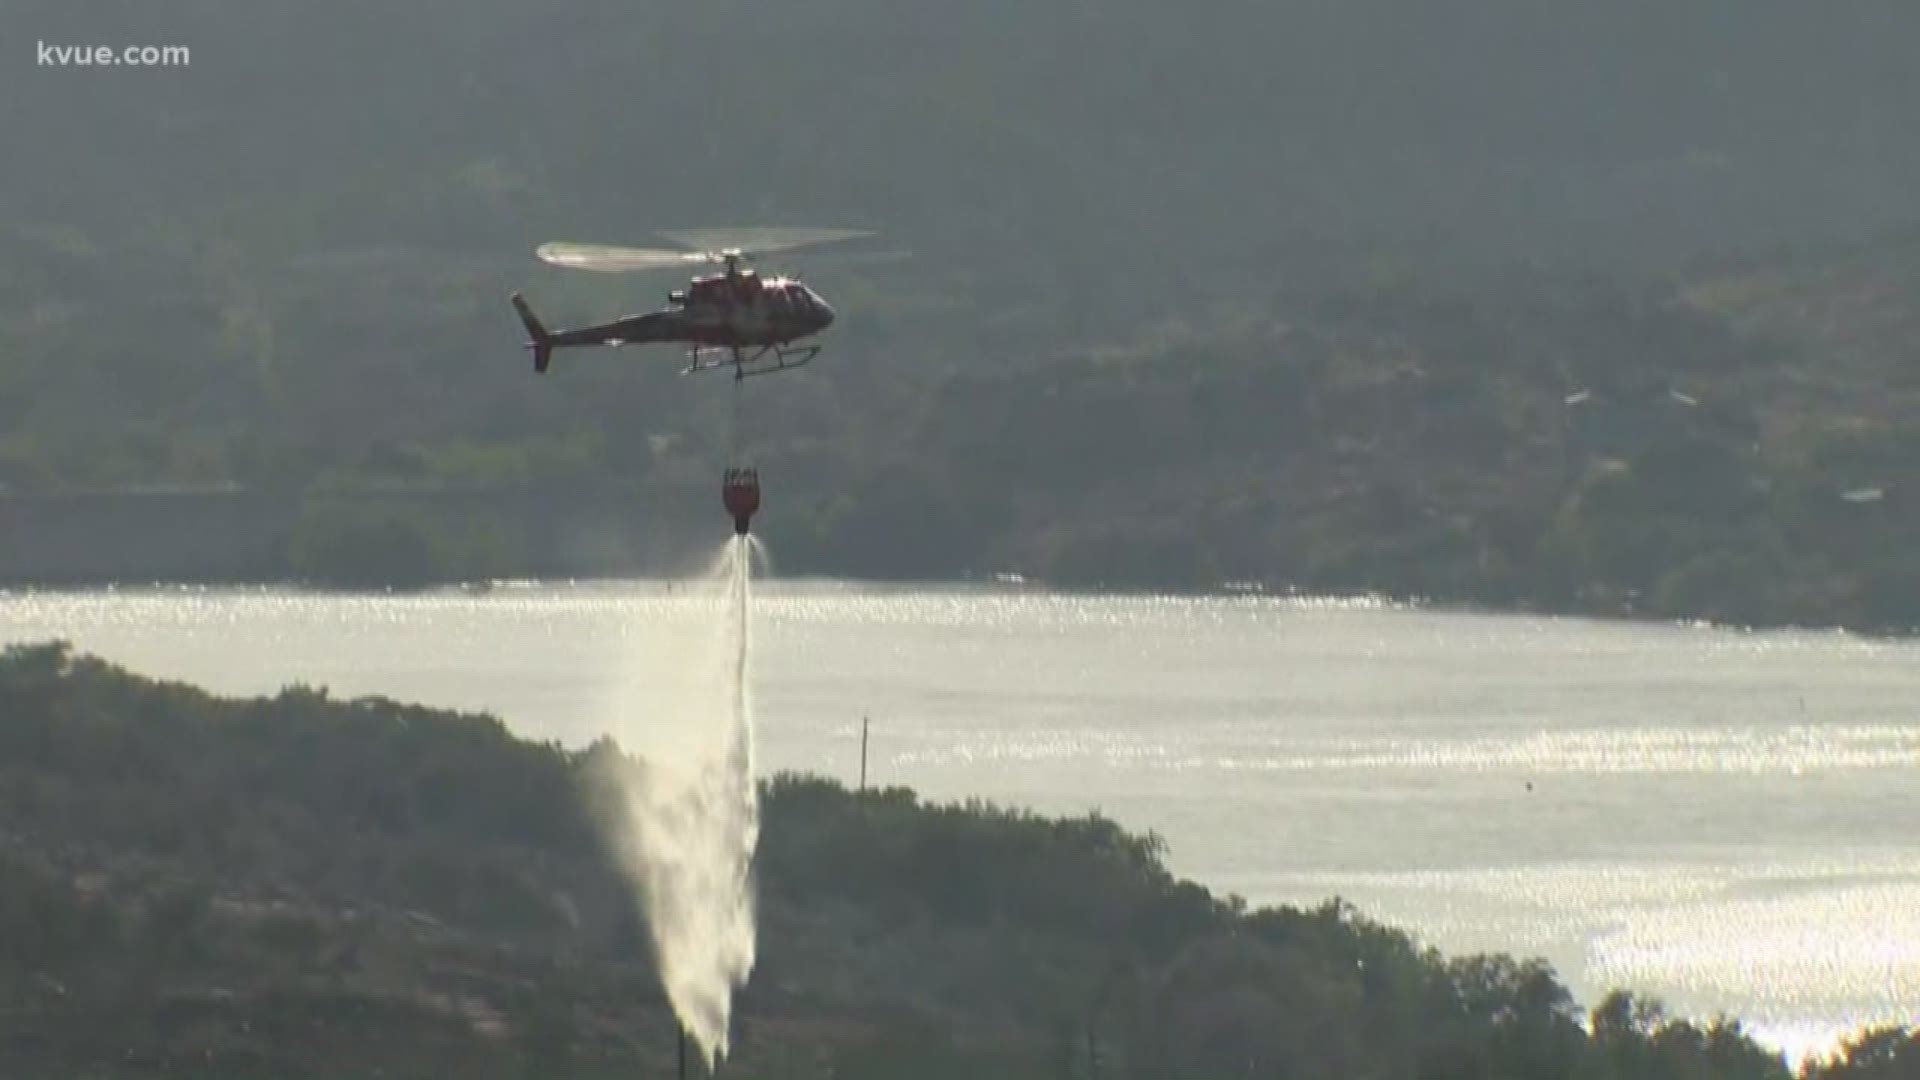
1729, 820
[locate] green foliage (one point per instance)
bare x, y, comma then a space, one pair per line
374, 542
336, 546
1881, 1053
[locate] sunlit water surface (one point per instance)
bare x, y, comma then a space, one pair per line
1728, 820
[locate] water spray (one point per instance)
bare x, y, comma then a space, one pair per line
687, 813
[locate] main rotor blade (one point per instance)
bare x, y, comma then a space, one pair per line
759, 241
615, 259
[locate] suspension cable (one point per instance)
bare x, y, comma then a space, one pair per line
733, 425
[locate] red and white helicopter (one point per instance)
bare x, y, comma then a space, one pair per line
733, 319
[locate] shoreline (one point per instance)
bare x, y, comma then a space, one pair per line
1226, 592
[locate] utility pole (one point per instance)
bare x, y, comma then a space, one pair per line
863, 755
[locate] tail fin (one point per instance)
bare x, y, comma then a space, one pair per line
542, 342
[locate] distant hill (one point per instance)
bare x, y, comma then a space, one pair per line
304, 887
1287, 292
1743, 445
1125, 139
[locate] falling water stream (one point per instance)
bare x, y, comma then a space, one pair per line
689, 815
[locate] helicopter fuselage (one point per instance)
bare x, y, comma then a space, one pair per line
727, 311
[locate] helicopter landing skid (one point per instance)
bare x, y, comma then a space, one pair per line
764, 361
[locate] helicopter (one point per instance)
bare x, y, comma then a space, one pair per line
732, 319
